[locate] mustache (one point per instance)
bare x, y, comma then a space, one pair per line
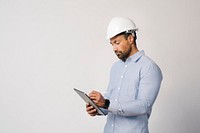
118, 52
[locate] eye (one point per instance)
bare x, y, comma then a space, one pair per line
117, 43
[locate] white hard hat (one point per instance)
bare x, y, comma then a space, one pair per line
120, 24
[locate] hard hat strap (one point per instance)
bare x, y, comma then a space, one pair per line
130, 31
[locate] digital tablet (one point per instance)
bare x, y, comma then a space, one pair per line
86, 98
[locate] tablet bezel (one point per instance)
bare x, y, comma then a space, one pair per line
87, 99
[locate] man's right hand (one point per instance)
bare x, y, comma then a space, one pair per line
91, 110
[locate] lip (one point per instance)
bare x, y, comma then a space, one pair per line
118, 53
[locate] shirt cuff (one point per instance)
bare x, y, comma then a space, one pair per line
105, 111
115, 107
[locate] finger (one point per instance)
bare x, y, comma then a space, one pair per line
93, 97
92, 112
95, 101
94, 91
88, 109
92, 94
87, 105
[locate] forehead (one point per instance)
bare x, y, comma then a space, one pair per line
117, 38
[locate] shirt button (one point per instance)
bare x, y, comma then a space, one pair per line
126, 66
112, 125
122, 76
118, 88
116, 100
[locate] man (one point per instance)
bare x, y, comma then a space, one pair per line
134, 83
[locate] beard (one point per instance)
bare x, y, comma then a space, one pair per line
123, 55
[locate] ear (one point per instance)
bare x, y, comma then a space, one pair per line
131, 39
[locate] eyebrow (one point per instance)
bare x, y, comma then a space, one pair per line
113, 42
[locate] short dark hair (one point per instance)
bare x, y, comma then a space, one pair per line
127, 34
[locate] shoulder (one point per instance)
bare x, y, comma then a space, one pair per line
148, 66
145, 61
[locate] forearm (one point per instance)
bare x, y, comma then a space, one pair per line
131, 108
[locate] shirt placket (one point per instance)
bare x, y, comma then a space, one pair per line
124, 69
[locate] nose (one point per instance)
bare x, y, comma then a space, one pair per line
114, 48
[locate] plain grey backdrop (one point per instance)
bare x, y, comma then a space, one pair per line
48, 47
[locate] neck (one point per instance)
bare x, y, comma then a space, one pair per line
134, 50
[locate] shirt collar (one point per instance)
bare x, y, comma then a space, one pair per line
135, 57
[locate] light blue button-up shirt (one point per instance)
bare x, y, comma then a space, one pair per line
132, 90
